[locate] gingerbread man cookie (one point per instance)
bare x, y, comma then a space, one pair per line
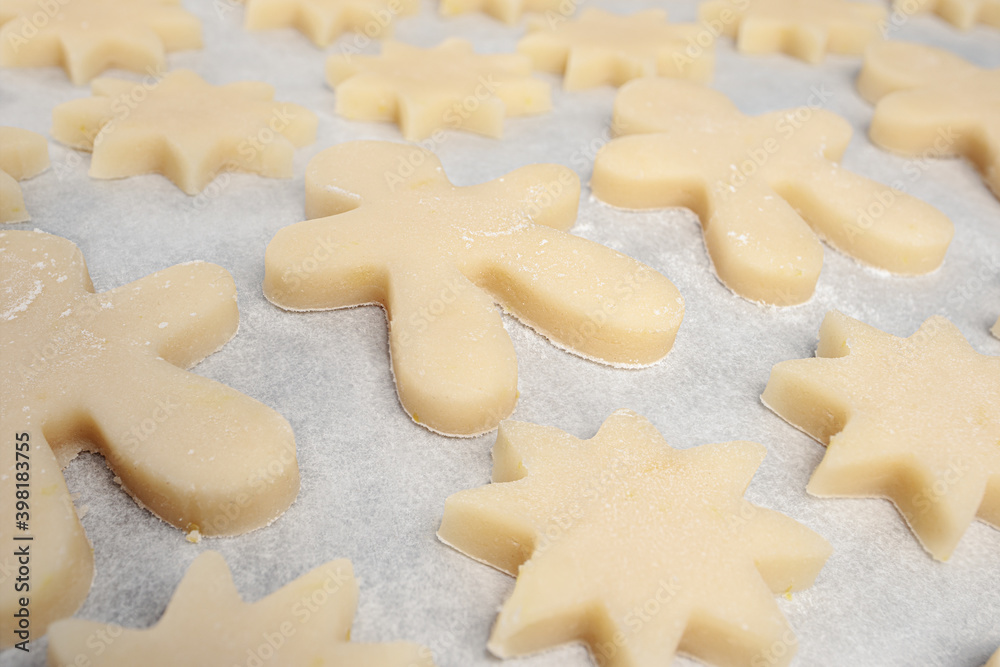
322, 21
932, 103
184, 128
915, 420
87, 37
962, 14
804, 29
445, 87
438, 257
764, 188
104, 372
24, 154
208, 623
637, 549
603, 48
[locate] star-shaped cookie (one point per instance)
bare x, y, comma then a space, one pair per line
87, 37
508, 11
932, 103
24, 154
804, 29
962, 14
184, 128
764, 188
103, 372
603, 48
637, 549
306, 623
448, 86
323, 21
915, 420
438, 257
994, 661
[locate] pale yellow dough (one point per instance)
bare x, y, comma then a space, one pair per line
23, 154
87, 37
994, 661
437, 257
764, 188
633, 547
448, 86
103, 372
996, 328
964, 14
184, 128
508, 11
603, 48
323, 21
915, 420
306, 623
804, 29
931, 103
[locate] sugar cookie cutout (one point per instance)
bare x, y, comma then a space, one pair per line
87, 37
23, 154
323, 21
103, 372
931, 103
448, 86
208, 623
184, 128
601, 48
963, 14
994, 661
438, 257
764, 188
915, 420
508, 11
803, 29
596, 529
996, 328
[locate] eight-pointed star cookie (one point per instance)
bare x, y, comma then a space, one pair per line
323, 21
508, 11
448, 86
87, 37
764, 187
306, 623
962, 14
437, 257
604, 48
931, 103
634, 547
103, 372
804, 29
23, 154
184, 128
915, 420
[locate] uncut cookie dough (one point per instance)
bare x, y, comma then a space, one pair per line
804, 29
322, 21
439, 257
597, 530
603, 48
766, 189
23, 154
184, 128
915, 420
87, 37
931, 103
305, 623
448, 86
199, 455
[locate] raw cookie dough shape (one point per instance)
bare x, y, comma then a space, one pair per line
207, 624
931, 103
23, 154
597, 529
104, 372
437, 257
184, 128
994, 661
764, 187
963, 14
508, 11
804, 29
915, 420
448, 86
323, 21
603, 48
87, 37
996, 328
